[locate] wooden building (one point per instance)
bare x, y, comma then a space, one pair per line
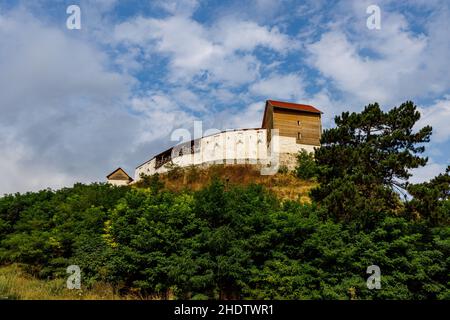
298, 121
119, 178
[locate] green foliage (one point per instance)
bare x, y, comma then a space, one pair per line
432, 199
330, 262
222, 241
153, 182
283, 169
174, 171
192, 174
366, 158
306, 166
45, 230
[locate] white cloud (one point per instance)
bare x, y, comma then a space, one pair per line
63, 112
17, 176
223, 52
438, 116
236, 35
248, 117
285, 87
179, 7
388, 65
427, 172
160, 115
189, 100
368, 79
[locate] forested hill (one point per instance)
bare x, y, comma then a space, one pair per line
219, 234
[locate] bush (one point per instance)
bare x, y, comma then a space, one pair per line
153, 182
192, 174
306, 166
174, 172
283, 169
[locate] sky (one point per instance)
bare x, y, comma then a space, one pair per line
75, 104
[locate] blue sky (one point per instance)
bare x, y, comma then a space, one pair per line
76, 104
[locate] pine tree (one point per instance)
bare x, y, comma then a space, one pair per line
366, 158
432, 199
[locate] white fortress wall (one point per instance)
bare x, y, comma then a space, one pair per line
118, 182
148, 168
290, 145
238, 146
228, 147
289, 148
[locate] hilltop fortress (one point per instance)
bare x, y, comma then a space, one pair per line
286, 129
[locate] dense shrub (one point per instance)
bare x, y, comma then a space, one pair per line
192, 174
283, 169
306, 166
174, 171
45, 230
222, 241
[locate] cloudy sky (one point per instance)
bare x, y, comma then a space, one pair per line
76, 104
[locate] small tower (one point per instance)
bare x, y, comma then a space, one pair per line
119, 178
299, 128
300, 122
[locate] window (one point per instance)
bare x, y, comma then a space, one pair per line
299, 135
298, 122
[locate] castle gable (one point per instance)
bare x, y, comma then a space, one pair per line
119, 177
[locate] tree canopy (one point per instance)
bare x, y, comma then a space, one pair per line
365, 161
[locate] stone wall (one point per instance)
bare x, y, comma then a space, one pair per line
231, 147
228, 147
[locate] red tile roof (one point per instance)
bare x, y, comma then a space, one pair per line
295, 106
289, 105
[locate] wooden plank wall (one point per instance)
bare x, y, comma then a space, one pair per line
119, 175
309, 128
268, 123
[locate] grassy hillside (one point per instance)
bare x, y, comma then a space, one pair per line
284, 185
16, 284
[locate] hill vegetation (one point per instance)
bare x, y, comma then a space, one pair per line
285, 185
225, 233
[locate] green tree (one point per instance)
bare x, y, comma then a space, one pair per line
432, 199
306, 166
46, 230
151, 181
366, 158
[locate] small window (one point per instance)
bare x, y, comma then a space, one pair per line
299, 135
298, 122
